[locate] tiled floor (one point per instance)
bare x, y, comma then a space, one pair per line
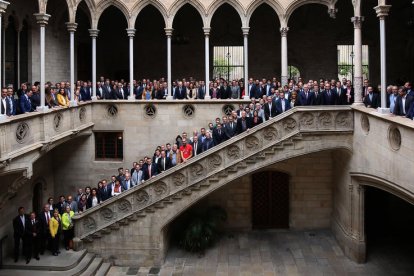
280, 253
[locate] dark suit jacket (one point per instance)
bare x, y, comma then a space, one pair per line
180, 94
255, 92
200, 93
224, 92
218, 137
32, 228
269, 112
306, 101
44, 227
89, 201
154, 171
398, 109
124, 186
167, 164
199, 148
25, 104
208, 144
109, 92
19, 229
230, 131
102, 195
375, 102
159, 95
239, 126
85, 94
35, 99
119, 94
279, 109
329, 100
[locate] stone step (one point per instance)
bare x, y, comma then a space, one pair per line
103, 269
93, 267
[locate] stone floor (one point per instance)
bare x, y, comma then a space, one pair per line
279, 253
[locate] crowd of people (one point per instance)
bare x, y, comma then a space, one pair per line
297, 93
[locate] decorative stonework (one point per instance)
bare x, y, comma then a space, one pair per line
284, 31
394, 138
227, 109
178, 179
142, 198
270, 134
160, 188
252, 143
188, 110
22, 132
233, 152
197, 170
150, 111
365, 124
214, 162
12, 190
112, 110
289, 124
89, 223
343, 120
57, 121
107, 214
82, 114
307, 120
325, 120
124, 206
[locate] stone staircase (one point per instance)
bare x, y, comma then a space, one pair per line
132, 228
68, 263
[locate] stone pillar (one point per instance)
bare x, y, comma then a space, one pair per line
207, 62
3, 7
42, 19
168, 32
131, 34
357, 20
94, 34
382, 11
284, 58
72, 29
3, 53
246, 62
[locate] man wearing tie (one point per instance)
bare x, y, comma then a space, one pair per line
164, 163
19, 228
282, 104
306, 97
32, 231
43, 231
269, 109
180, 92
11, 101
127, 182
197, 147
150, 170
201, 93
85, 92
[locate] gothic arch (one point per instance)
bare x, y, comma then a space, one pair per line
178, 4
139, 6
103, 5
298, 3
233, 3
89, 10
275, 5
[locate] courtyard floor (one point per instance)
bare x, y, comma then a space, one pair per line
279, 253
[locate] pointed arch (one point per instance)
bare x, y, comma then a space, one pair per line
234, 3
140, 5
298, 3
88, 8
178, 4
275, 5
104, 4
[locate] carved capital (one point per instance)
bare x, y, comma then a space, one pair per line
3, 6
382, 10
42, 18
284, 31
206, 31
93, 32
245, 31
71, 26
332, 12
357, 20
168, 31
131, 32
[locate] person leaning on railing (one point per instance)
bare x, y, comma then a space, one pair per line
67, 227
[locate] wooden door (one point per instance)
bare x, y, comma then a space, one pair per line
270, 200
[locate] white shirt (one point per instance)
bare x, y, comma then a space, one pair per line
403, 104
94, 201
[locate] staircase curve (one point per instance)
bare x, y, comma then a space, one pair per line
132, 228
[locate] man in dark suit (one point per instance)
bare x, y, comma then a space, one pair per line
282, 104
403, 103
99, 91
26, 103
32, 232
35, 98
85, 92
44, 233
372, 99
105, 192
19, 233
180, 92
218, 135
231, 127
201, 91
164, 163
150, 170
341, 92
126, 183
329, 96
269, 108
197, 146
306, 97
318, 95
121, 93
224, 91
11, 101
243, 123
60, 205
108, 91
208, 142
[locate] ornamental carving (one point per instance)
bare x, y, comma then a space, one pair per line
142, 198
160, 188
197, 170
150, 111
57, 121
112, 110
394, 138
270, 133
233, 151
214, 161
307, 120
325, 119
252, 142
22, 132
12, 190
178, 179
89, 223
289, 124
82, 114
107, 214
188, 110
365, 124
343, 120
228, 109
124, 205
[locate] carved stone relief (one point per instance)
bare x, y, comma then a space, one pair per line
214, 161
160, 188
142, 198
325, 119
233, 152
178, 179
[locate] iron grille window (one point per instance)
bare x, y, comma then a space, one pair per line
109, 146
228, 62
346, 67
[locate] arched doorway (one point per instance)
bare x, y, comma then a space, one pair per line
10, 61
83, 44
37, 202
270, 200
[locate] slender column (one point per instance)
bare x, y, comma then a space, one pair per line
19, 30
131, 34
357, 20
382, 11
42, 20
3, 7
93, 34
245, 31
168, 32
207, 61
284, 58
72, 29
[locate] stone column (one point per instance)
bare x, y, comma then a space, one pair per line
72, 29
93, 34
3, 7
382, 11
284, 58
42, 19
207, 61
168, 32
357, 20
246, 62
3, 53
131, 34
